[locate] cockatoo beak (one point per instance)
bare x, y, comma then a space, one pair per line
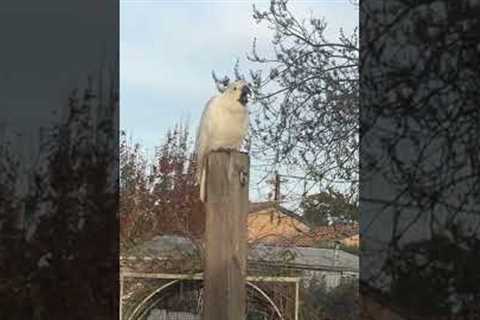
246, 92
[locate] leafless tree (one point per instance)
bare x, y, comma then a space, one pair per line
419, 141
158, 196
308, 100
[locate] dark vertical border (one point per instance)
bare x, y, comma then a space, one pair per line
59, 160
420, 195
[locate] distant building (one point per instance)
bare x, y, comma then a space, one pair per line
270, 223
352, 241
281, 246
279, 236
327, 264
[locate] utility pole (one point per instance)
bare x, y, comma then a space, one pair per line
276, 191
275, 181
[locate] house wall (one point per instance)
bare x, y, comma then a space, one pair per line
272, 224
352, 241
332, 278
157, 314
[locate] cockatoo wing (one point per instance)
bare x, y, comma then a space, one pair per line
202, 144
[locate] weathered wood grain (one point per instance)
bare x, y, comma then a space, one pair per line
226, 236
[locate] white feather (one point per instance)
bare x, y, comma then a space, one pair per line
223, 125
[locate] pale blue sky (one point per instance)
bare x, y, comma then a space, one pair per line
169, 48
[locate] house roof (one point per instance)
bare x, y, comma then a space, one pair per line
170, 246
255, 207
325, 233
164, 246
314, 258
333, 232
305, 239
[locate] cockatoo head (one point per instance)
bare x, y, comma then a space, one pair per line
239, 90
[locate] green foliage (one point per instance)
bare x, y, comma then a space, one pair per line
325, 208
9, 176
74, 201
338, 303
51, 267
13, 271
442, 271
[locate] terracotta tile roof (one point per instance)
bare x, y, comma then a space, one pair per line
334, 232
326, 233
259, 206
315, 237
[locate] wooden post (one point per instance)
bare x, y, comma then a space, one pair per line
226, 236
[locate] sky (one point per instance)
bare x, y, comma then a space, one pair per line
48, 55
168, 50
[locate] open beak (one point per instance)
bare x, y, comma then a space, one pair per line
246, 92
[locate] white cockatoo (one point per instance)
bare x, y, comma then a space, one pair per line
223, 125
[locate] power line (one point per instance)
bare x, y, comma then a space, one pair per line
296, 177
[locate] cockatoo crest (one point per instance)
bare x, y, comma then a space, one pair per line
224, 125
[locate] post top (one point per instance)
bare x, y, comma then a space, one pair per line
229, 151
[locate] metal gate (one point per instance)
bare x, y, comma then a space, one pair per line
157, 296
